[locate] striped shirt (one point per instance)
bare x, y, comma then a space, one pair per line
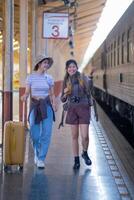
39, 84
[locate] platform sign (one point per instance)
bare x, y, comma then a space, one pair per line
55, 25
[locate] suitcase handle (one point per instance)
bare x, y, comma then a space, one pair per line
23, 112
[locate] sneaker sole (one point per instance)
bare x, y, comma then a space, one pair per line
85, 161
40, 167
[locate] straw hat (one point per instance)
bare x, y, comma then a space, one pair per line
40, 58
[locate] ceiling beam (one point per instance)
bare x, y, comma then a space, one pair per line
86, 27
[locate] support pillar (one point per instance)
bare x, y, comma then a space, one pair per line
34, 29
8, 8
23, 51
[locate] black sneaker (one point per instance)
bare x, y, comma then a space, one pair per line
76, 163
86, 158
76, 166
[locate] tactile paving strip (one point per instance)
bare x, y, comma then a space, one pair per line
122, 187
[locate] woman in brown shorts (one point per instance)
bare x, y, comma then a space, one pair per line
76, 91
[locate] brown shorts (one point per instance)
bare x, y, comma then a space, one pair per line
79, 114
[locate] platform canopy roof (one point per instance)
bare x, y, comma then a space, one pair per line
83, 18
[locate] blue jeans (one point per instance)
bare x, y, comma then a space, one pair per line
41, 133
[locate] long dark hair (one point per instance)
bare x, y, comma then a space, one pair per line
67, 81
66, 77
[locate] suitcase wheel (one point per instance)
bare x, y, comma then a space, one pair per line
7, 168
20, 167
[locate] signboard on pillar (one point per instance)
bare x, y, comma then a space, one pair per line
55, 25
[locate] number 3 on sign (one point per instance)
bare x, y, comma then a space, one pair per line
56, 31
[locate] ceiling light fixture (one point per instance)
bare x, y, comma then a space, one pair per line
70, 3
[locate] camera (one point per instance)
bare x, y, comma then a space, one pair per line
75, 99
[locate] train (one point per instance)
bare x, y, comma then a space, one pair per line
114, 61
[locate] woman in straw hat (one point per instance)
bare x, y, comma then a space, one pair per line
41, 116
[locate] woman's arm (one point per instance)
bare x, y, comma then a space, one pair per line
52, 98
26, 94
65, 92
64, 95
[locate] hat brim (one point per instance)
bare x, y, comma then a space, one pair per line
48, 58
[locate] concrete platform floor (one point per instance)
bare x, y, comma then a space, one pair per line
58, 181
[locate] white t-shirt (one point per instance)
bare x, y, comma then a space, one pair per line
39, 84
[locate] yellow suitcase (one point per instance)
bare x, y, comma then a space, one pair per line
14, 143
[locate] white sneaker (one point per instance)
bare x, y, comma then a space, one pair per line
40, 164
35, 157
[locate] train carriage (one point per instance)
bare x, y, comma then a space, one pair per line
114, 60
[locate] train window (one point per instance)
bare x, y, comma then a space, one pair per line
111, 55
118, 51
108, 57
121, 77
114, 53
123, 48
101, 60
129, 45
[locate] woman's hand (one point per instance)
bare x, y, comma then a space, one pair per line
66, 91
26, 93
55, 107
24, 97
92, 71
